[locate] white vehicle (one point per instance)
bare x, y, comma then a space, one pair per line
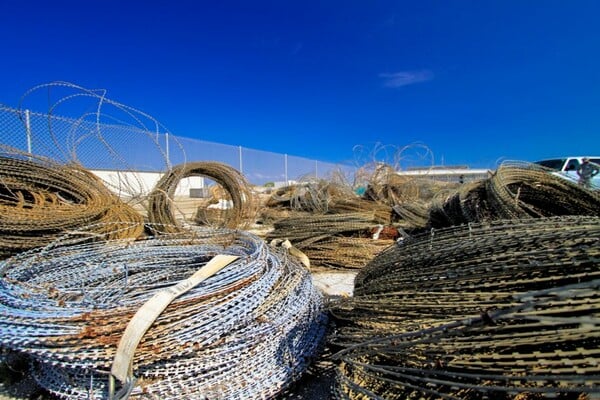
567, 168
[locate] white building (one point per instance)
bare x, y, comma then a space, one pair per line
448, 174
132, 183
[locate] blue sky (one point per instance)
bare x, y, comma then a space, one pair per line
473, 81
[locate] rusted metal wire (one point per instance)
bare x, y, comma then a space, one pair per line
40, 200
494, 309
247, 332
325, 197
414, 214
341, 252
516, 190
385, 186
335, 241
308, 226
161, 204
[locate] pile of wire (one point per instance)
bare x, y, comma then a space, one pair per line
311, 196
341, 252
40, 200
247, 332
385, 186
473, 312
299, 228
516, 190
161, 204
325, 197
335, 241
414, 214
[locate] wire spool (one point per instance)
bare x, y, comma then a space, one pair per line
247, 332
41, 200
161, 199
491, 309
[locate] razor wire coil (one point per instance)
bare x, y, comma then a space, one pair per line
40, 200
516, 190
161, 199
510, 306
66, 306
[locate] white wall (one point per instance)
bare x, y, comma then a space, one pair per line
128, 183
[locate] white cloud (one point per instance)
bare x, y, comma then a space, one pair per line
405, 78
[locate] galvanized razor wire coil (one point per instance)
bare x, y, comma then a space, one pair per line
506, 307
247, 332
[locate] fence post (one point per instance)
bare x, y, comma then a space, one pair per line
28, 130
241, 165
167, 150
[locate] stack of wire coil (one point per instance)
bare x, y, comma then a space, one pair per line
40, 200
247, 332
474, 312
333, 241
516, 190
324, 197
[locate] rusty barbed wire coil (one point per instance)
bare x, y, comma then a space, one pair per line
41, 199
515, 190
325, 197
505, 307
161, 205
335, 241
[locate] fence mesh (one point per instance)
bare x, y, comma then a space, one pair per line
124, 146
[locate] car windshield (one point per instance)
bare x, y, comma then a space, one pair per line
555, 164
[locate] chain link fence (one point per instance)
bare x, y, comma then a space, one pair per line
101, 145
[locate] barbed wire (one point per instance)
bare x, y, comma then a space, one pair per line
491, 309
40, 200
247, 332
239, 214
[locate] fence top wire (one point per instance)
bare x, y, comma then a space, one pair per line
86, 126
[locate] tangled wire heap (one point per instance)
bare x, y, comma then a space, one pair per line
41, 200
247, 332
332, 241
161, 200
516, 190
484, 311
324, 197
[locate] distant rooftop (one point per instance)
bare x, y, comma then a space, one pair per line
444, 167
458, 173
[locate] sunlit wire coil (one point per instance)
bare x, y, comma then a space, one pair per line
40, 200
510, 306
66, 307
